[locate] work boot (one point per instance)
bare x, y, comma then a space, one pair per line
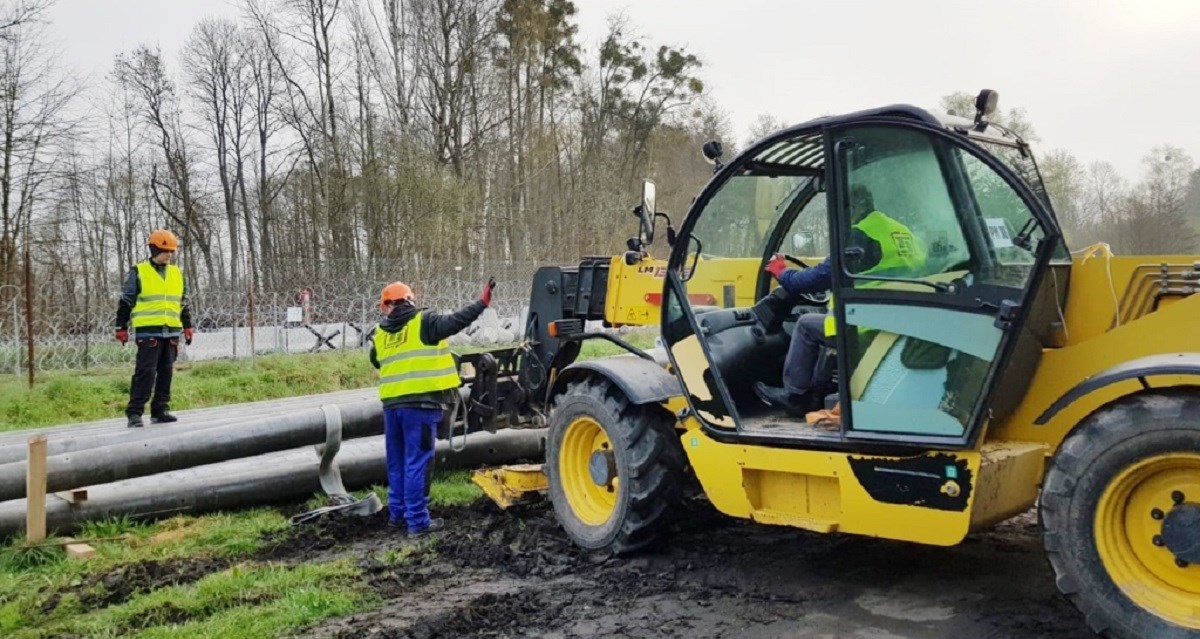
162, 418
135, 421
793, 404
434, 526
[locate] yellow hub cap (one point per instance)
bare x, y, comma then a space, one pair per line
1129, 522
593, 503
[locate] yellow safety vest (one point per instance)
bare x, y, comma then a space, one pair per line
902, 255
407, 366
160, 299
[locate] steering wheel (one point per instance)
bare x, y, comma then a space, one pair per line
816, 299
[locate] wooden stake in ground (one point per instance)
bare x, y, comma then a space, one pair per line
35, 490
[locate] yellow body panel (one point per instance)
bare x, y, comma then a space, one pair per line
766, 485
1093, 345
818, 491
635, 292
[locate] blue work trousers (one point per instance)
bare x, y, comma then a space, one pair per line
409, 434
799, 367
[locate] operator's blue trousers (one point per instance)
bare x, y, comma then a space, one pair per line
409, 434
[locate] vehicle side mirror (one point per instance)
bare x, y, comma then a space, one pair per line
712, 152
646, 213
985, 105
801, 240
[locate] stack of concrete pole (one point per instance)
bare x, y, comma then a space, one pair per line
222, 458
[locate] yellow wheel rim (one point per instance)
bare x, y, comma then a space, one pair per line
1128, 525
592, 503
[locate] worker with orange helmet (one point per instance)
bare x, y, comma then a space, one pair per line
153, 302
418, 380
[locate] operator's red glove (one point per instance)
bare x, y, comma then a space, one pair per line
487, 291
122, 335
187, 335
776, 266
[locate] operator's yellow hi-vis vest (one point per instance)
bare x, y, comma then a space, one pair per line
902, 254
407, 366
160, 297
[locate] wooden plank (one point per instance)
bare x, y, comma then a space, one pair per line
35, 490
79, 551
76, 496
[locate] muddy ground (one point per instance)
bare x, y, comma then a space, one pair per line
500, 574
513, 573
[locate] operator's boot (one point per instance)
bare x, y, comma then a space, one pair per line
794, 405
135, 421
162, 418
434, 526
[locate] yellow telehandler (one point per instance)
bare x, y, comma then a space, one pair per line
1004, 372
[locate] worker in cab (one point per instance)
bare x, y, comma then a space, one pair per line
418, 381
884, 247
154, 304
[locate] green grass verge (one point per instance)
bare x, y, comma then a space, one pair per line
248, 599
62, 397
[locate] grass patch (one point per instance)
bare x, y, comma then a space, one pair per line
448, 488
71, 396
29, 577
453, 488
43, 594
243, 601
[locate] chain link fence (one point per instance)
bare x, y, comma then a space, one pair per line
72, 326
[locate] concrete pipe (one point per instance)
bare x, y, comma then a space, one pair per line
191, 448
274, 478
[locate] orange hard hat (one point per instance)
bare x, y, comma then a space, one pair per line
163, 240
394, 292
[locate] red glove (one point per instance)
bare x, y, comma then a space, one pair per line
122, 336
487, 291
187, 335
776, 266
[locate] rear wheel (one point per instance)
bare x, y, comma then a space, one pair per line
1120, 512
615, 469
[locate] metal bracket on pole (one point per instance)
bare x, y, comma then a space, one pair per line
331, 476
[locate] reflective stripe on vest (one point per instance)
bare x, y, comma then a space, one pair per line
901, 255
160, 297
408, 366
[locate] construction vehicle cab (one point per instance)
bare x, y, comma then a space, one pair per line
981, 369
919, 345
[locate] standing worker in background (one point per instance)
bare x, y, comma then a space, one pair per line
417, 381
154, 299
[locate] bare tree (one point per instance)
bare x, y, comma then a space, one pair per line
145, 74
217, 83
34, 95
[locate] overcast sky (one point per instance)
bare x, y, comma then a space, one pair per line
1105, 79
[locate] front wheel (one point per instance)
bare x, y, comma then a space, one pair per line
616, 470
1120, 513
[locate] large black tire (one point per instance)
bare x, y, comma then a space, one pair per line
1131, 432
649, 464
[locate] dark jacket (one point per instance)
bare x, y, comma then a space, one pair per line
129, 293
435, 327
820, 277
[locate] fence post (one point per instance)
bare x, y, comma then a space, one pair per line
234, 340
16, 350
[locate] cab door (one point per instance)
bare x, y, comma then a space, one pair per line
937, 249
